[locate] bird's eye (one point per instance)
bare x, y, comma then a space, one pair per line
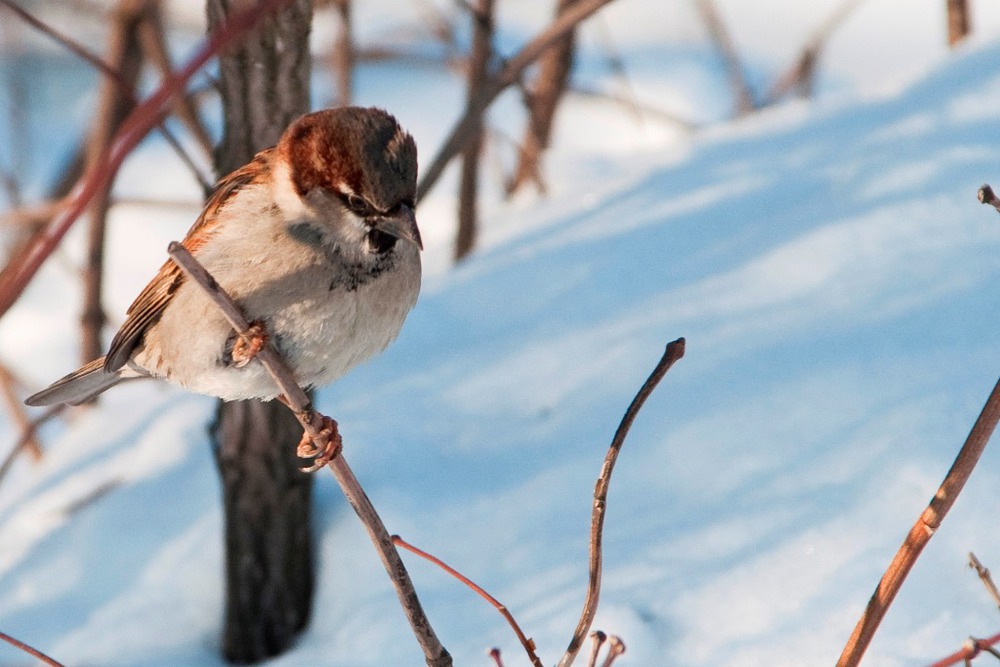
358, 205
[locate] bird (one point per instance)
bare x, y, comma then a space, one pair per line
317, 242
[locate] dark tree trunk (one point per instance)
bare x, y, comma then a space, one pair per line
479, 60
267, 500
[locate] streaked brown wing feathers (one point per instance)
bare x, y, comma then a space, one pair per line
149, 305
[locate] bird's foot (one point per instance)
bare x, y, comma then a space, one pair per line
324, 448
247, 346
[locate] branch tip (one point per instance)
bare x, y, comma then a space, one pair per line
987, 196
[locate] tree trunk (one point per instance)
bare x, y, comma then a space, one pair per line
543, 100
267, 501
479, 60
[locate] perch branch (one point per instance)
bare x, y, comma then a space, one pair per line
30, 650
674, 351
922, 531
312, 423
15, 277
526, 642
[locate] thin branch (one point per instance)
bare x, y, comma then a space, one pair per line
597, 639
616, 648
799, 74
26, 437
30, 650
15, 277
17, 412
312, 422
114, 75
674, 351
922, 531
984, 575
969, 650
529, 53
986, 196
734, 66
526, 642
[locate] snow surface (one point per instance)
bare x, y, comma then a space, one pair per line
835, 279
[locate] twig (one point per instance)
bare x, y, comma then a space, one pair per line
18, 273
494, 653
26, 437
597, 638
674, 351
969, 650
467, 125
526, 642
616, 647
734, 66
984, 575
30, 650
16, 409
799, 73
922, 531
32, 215
477, 75
986, 196
114, 75
312, 422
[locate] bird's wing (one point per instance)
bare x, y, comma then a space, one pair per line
149, 305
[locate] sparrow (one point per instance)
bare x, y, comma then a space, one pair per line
316, 241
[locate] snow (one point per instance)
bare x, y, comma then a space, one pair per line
834, 277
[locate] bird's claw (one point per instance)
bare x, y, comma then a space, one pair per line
324, 448
248, 345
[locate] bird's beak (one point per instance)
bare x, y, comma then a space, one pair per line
402, 224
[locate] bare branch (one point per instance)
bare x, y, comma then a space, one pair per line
616, 648
674, 351
16, 409
126, 89
984, 575
30, 650
479, 60
959, 22
922, 531
734, 66
597, 639
466, 126
970, 649
26, 437
312, 422
526, 642
16, 275
986, 196
800, 73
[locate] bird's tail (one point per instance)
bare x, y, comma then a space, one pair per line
80, 386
